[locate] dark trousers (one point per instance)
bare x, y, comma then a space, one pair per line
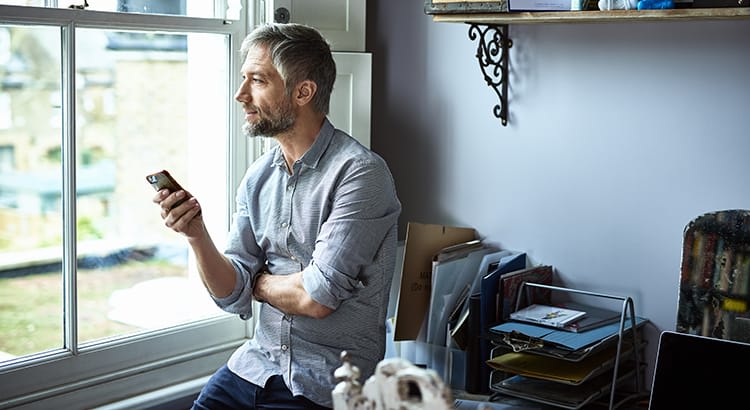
226, 390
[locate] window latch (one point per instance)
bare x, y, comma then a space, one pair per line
79, 6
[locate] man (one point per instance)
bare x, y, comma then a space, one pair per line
313, 238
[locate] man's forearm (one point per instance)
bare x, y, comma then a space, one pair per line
286, 293
216, 272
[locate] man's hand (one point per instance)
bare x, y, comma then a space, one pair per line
185, 218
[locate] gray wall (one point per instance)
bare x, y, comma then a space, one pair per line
619, 136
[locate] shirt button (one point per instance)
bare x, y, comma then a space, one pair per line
289, 188
284, 224
284, 347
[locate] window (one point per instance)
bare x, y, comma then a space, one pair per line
229, 9
94, 290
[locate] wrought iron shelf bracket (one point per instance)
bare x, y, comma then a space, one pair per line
492, 55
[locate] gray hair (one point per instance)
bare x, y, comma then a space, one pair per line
299, 53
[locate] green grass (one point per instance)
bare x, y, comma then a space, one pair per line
31, 318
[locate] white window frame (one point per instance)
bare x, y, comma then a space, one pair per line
92, 375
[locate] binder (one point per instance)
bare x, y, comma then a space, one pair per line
490, 286
473, 355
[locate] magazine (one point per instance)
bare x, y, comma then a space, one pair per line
547, 315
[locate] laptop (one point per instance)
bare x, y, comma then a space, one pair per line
698, 372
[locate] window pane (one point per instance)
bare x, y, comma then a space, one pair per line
140, 107
143, 106
222, 9
30, 190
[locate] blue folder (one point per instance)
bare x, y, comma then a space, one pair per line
563, 338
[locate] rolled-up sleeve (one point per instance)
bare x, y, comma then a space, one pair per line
246, 257
364, 208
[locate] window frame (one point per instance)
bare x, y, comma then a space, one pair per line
98, 373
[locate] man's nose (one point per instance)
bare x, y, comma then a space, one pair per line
243, 93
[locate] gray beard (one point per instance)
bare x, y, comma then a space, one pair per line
282, 121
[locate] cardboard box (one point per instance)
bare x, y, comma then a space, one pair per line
423, 241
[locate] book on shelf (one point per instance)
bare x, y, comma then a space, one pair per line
715, 275
548, 315
540, 5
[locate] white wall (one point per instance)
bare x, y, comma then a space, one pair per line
619, 135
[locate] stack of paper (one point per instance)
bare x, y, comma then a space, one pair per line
453, 270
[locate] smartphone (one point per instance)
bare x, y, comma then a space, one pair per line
162, 179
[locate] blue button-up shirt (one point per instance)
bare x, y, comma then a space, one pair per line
335, 219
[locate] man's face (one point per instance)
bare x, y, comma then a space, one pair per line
268, 110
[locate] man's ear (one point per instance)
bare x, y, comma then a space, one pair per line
305, 92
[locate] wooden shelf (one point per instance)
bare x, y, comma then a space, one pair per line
614, 16
489, 20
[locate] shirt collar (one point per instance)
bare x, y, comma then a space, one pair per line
311, 158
